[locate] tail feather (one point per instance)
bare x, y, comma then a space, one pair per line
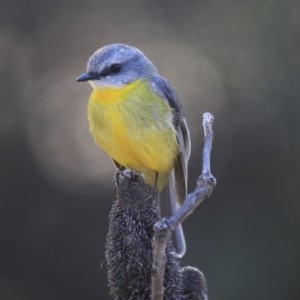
168, 203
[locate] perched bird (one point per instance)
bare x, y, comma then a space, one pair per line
135, 116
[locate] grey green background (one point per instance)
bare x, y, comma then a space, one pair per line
237, 59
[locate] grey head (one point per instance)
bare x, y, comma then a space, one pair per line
117, 65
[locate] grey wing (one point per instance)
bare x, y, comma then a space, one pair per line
181, 165
166, 91
178, 176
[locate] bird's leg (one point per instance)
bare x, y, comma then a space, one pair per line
156, 180
119, 167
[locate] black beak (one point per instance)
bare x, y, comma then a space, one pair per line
88, 76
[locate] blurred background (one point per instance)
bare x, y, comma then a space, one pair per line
236, 59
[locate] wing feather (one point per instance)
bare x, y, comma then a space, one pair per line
178, 176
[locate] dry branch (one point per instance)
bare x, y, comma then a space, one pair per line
141, 260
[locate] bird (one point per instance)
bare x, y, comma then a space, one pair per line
135, 115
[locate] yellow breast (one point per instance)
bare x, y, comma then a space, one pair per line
134, 126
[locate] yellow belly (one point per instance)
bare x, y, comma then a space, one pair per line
135, 127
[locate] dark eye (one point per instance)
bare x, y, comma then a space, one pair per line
115, 68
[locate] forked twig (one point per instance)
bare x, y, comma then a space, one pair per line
163, 228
